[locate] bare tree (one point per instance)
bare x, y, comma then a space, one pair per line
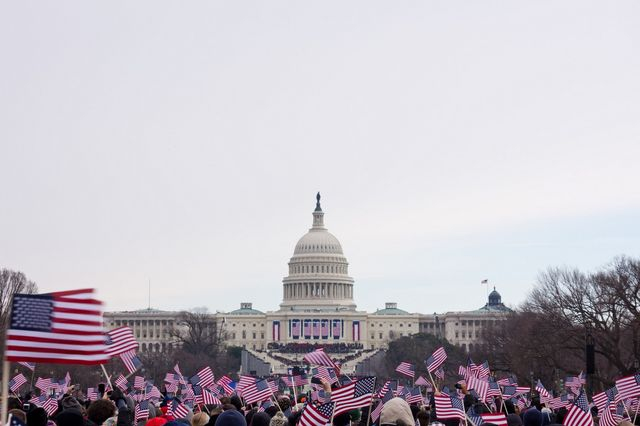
547, 335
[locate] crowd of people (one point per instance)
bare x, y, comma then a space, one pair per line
118, 408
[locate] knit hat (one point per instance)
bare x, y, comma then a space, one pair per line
70, 402
532, 417
156, 421
279, 420
231, 418
396, 411
514, 420
260, 419
70, 417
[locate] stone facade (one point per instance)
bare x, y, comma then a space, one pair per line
318, 307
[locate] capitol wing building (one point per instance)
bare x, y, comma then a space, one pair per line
317, 308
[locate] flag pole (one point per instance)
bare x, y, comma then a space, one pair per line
104, 370
6, 365
371, 402
432, 381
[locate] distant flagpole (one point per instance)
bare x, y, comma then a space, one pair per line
486, 284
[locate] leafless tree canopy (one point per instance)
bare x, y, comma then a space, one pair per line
547, 335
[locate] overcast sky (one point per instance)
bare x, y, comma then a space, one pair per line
184, 142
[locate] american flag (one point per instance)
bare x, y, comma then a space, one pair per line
120, 340
413, 396
496, 418
375, 413
44, 384
321, 396
152, 392
122, 383
483, 370
131, 361
480, 386
138, 382
225, 382
608, 417
172, 378
264, 406
142, 410
574, 382
204, 377
92, 394
448, 407
245, 381
307, 328
178, 410
421, 381
30, 365
63, 327
336, 328
579, 413
388, 385
439, 373
319, 357
295, 328
327, 373
316, 328
407, 369
50, 406
541, 390
17, 382
325, 328
494, 389
507, 381
208, 398
316, 416
438, 358
601, 400
354, 395
259, 391
628, 387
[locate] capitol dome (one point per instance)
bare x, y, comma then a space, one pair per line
318, 271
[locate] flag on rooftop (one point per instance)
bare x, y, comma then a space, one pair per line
438, 358
65, 327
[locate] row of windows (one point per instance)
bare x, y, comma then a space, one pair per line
132, 323
244, 325
156, 347
244, 335
306, 269
464, 335
391, 325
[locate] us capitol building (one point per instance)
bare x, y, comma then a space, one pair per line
317, 307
